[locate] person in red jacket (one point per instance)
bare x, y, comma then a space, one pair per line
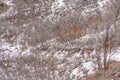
88, 51
81, 51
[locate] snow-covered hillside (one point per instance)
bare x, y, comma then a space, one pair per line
65, 60
42, 39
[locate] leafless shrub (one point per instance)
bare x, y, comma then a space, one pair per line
69, 28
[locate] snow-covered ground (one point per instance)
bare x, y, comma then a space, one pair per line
81, 65
115, 56
59, 60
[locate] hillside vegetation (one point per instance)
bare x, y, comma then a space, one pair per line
42, 39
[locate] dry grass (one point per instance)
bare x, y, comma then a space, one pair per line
71, 33
3, 8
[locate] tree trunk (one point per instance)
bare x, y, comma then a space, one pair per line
105, 45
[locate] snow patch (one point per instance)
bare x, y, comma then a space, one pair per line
115, 55
90, 66
102, 4
75, 71
57, 4
87, 66
8, 2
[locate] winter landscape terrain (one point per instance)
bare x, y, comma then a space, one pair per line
59, 39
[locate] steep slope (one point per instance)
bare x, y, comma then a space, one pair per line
42, 39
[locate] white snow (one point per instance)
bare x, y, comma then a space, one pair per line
75, 71
60, 55
61, 3
15, 50
92, 11
8, 2
102, 4
90, 66
87, 66
10, 51
115, 55
57, 5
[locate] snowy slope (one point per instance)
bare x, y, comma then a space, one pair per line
50, 60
